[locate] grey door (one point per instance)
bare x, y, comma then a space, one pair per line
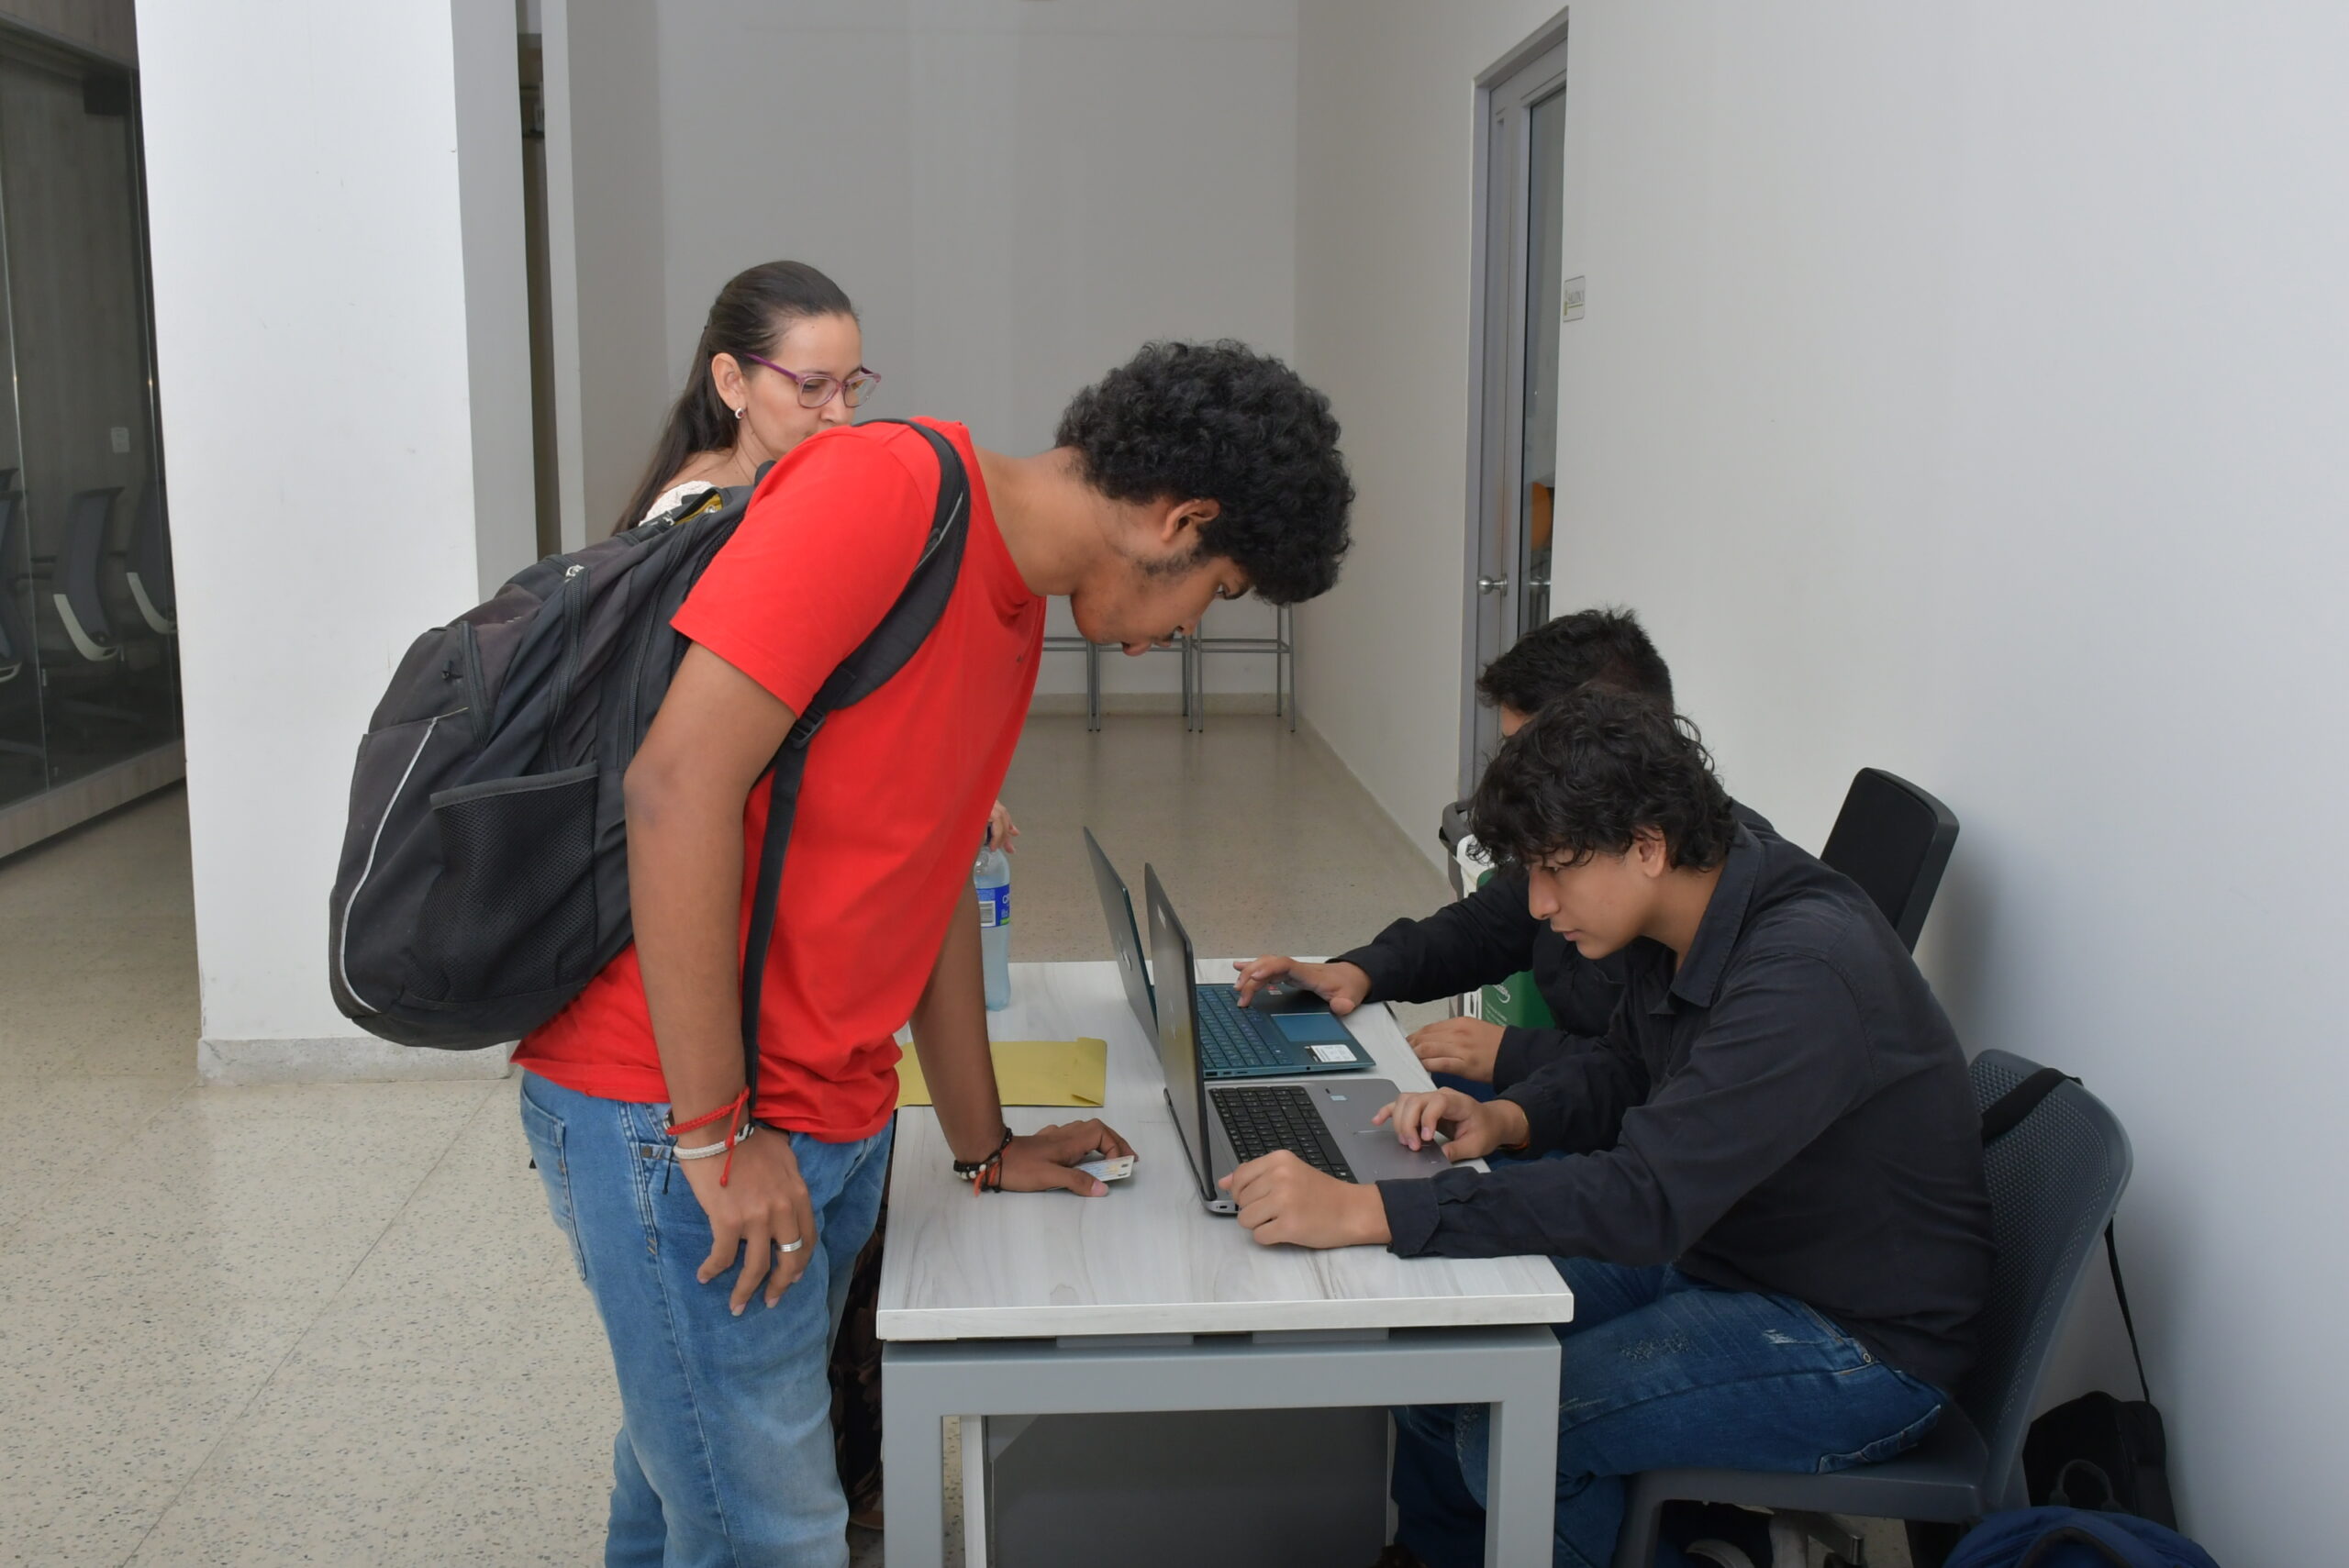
1513, 415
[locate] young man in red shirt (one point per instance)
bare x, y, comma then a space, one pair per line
1195, 473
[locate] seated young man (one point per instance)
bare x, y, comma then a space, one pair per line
1488, 936
1773, 1213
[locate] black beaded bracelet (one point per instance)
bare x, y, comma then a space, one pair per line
973, 1167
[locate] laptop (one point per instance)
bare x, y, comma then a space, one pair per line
1265, 1039
1326, 1125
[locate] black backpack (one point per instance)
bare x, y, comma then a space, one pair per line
483, 879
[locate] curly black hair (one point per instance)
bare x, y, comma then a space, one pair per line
1589, 772
1606, 646
1221, 422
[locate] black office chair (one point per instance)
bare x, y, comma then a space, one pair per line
75, 591
17, 649
2054, 1181
1894, 839
1451, 827
15, 630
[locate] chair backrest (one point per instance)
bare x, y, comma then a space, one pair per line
2055, 1179
16, 632
1450, 830
1894, 840
86, 517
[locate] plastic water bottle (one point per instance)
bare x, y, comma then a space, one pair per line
991, 877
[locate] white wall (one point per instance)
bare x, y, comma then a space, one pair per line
319, 391
1385, 147
1961, 390
1016, 196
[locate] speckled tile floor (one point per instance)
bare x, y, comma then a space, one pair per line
332, 1324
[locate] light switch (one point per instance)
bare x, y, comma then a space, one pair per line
121, 437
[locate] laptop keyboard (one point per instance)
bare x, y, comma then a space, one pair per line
1226, 1042
1279, 1116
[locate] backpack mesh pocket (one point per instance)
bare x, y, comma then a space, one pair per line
513, 909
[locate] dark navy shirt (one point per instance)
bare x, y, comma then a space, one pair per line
1482, 939
1789, 1111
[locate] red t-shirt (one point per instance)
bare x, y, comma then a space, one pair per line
897, 788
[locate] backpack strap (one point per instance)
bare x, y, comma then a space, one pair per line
2120, 1294
881, 655
2005, 1114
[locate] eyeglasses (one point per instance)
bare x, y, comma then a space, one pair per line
815, 391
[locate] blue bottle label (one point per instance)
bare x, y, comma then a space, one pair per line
995, 906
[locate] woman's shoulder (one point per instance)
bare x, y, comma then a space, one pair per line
675, 496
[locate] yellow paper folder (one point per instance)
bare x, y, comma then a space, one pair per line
1029, 1073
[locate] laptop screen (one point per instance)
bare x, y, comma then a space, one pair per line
1125, 941
1178, 1050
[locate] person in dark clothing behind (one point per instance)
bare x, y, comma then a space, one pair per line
1488, 936
1773, 1215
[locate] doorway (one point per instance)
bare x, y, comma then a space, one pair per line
1513, 386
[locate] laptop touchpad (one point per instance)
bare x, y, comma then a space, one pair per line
1311, 1028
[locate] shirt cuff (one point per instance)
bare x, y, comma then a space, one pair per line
1372, 962
1513, 1062
1545, 1124
1410, 1215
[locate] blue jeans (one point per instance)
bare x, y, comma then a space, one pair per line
725, 1450
1660, 1370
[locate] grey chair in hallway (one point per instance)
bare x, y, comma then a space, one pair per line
1894, 839
1061, 643
2054, 1181
18, 651
76, 592
15, 630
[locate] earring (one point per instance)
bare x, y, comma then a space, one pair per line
738, 413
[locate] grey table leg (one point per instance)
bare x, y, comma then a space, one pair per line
913, 1452
1513, 1369
1522, 1473
1092, 685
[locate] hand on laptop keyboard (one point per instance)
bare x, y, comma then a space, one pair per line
1343, 985
1282, 1199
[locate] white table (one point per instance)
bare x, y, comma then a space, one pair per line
1039, 1303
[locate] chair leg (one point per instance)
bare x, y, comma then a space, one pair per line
1288, 647
1643, 1527
1092, 685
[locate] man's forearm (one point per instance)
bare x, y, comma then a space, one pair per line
684, 867
950, 1026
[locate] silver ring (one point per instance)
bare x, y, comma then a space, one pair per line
791, 1246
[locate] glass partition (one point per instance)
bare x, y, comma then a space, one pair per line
89, 650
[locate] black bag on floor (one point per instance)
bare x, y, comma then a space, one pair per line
2096, 1453
483, 879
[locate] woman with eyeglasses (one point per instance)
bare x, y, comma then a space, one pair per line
781, 357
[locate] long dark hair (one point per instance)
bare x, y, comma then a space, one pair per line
750, 315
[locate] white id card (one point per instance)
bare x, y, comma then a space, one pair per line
1331, 1053
1110, 1167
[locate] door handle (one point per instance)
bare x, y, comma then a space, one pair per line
1492, 584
